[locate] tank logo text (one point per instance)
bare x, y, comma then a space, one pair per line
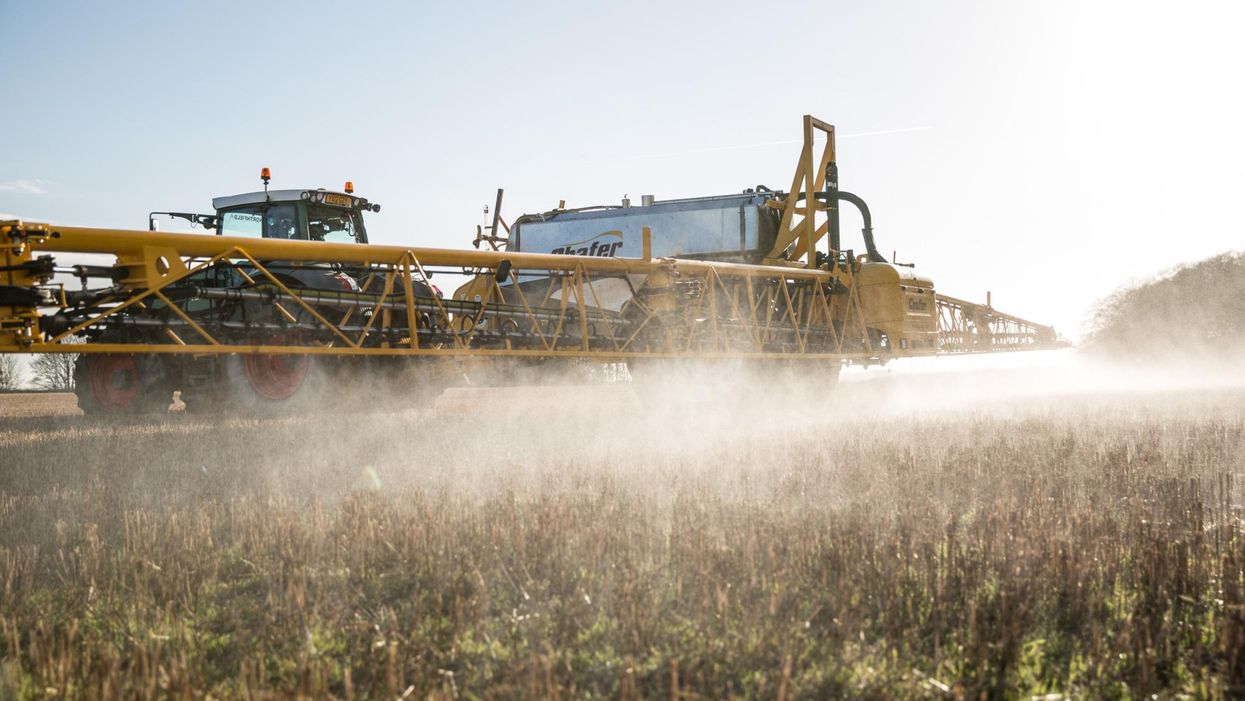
592, 246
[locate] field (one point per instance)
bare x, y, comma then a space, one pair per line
894, 542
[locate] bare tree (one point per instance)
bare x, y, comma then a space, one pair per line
11, 371
54, 371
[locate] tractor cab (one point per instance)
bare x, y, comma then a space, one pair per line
293, 215
300, 215
305, 215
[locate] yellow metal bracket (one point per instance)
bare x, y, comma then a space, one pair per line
798, 232
19, 322
151, 266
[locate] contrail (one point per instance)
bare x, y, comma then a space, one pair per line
881, 132
717, 148
786, 142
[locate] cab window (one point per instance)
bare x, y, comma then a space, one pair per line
278, 221
281, 222
242, 222
334, 225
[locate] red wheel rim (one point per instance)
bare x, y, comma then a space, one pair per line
276, 376
113, 380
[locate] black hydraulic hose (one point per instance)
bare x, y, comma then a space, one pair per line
870, 247
555, 213
516, 233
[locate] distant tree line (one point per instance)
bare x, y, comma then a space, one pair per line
12, 374
1195, 310
53, 372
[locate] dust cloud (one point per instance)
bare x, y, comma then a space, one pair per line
650, 434
692, 514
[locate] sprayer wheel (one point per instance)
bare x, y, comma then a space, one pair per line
120, 384
272, 384
261, 384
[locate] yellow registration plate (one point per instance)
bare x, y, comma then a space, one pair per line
339, 200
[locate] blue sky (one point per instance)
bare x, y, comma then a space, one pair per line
1047, 151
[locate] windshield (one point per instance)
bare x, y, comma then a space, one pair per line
282, 221
334, 224
278, 221
242, 222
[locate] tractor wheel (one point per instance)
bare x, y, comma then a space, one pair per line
805, 377
391, 384
656, 382
120, 384
267, 384
806, 382
272, 378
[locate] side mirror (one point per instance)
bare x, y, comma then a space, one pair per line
503, 271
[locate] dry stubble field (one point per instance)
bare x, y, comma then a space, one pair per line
497, 547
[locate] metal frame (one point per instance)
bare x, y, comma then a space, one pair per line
784, 309
732, 302
734, 310
967, 327
798, 231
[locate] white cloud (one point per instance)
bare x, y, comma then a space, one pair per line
25, 186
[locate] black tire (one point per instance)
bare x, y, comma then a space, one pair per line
712, 383
801, 377
805, 383
256, 384
402, 383
121, 384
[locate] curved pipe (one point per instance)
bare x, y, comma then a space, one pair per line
870, 247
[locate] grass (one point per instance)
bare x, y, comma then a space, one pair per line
37, 404
1081, 546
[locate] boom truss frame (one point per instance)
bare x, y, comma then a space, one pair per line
703, 309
